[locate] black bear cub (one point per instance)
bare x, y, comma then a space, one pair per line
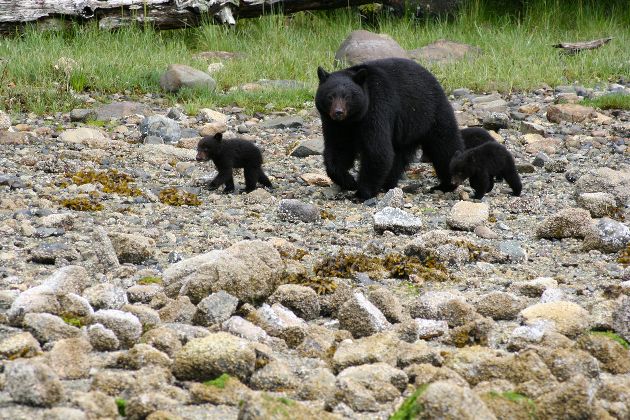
382, 112
482, 164
472, 137
230, 154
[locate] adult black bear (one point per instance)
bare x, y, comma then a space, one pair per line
382, 111
482, 164
230, 154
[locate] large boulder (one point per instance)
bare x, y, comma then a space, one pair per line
178, 76
361, 46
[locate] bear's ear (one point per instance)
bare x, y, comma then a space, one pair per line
322, 74
457, 153
218, 136
360, 76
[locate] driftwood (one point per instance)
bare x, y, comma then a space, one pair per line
162, 14
575, 47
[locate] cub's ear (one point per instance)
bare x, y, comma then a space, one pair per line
218, 136
322, 74
360, 76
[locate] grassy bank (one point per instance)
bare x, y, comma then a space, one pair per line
517, 54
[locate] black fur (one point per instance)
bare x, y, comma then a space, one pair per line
475, 136
471, 136
381, 112
482, 164
230, 154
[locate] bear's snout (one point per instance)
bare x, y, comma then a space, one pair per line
338, 111
201, 157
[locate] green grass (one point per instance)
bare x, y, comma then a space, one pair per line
612, 101
613, 336
410, 408
516, 45
73, 321
219, 382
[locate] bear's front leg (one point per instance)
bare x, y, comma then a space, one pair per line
376, 164
337, 163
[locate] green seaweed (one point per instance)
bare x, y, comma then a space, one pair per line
410, 408
121, 403
517, 398
613, 336
219, 382
73, 320
150, 280
113, 182
174, 197
81, 204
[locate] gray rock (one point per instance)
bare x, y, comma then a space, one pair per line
621, 318
164, 339
387, 303
275, 376
291, 209
153, 140
48, 328
608, 236
568, 318
126, 326
552, 295
496, 121
309, 147
106, 296
102, 339
466, 215
5, 121
132, 248
513, 250
534, 288
397, 221
215, 309
498, 105
142, 293
279, 321
21, 345
430, 328
143, 355
556, 165
178, 310
359, 316
392, 198
70, 359
300, 299
178, 76
500, 305
446, 399
211, 356
599, 204
103, 249
149, 317
120, 110
82, 115
32, 384
243, 328
361, 46
443, 51
362, 387
528, 127
141, 406
247, 270
283, 122
65, 413
567, 223
83, 135
160, 126
606, 180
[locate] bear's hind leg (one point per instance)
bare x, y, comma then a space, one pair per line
262, 178
251, 178
513, 180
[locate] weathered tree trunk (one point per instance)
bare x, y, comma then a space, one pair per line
162, 14
576, 47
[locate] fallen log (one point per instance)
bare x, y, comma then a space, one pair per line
161, 14
575, 47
